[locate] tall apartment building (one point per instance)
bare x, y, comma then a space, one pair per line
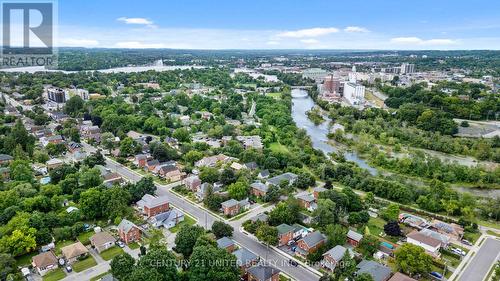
354, 93
407, 68
57, 95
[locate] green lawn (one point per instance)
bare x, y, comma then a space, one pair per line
472, 236
376, 226
85, 236
54, 275
111, 253
61, 244
278, 147
490, 232
274, 95
187, 221
133, 245
84, 264
25, 259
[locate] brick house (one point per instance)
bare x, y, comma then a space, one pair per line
285, 233
128, 231
317, 191
152, 205
307, 201
140, 160
310, 243
259, 189
354, 238
332, 257
227, 244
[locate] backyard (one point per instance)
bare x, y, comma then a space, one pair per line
56, 274
111, 253
84, 264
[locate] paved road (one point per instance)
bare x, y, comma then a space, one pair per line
480, 265
206, 219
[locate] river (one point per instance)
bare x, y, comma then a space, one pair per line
302, 102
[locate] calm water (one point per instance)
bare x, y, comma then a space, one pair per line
318, 134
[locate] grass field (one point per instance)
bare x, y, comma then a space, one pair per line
25, 259
274, 95
133, 245
61, 244
80, 266
278, 147
111, 253
85, 236
187, 221
55, 275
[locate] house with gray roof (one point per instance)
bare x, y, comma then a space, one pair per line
353, 237
128, 231
377, 271
167, 219
226, 243
310, 243
277, 180
259, 189
332, 257
245, 258
263, 273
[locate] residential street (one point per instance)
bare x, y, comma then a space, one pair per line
480, 265
206, 219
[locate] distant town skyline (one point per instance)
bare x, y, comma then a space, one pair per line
316, 24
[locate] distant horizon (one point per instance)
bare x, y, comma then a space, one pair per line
285, 49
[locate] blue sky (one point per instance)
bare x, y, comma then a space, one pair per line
278, 24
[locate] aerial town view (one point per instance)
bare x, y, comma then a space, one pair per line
250, 140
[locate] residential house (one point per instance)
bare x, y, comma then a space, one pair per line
452, 230
152, 205
245, 258
310, 243
140, 160
307, 201
264, 174
252, 166
73, 252
56, 139
128, 231
5, 173
285, 234
192, 182
430, 244
445, 240
151, 165
168, 171
5, 159
232, 207
111, 179
317, 190
102, 241
211, 161
44, 262
91, 133
254, 142
398, 276
259, 189
236, 166
226, 243
354, 238
202, 190
332, 257
167, 219
277, 180
78, 156
413, 221
377, 271
53, 163
263, 273
260, 217
299, 231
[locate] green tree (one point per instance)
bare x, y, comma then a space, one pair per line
186, 238
91, 203
144, 186
267, 234
238, 190
74, 106
412, 259
90, 178
209, 174
391, 213
368, 245
122, 266
325, 213
108, 141
211, 263
162, 260
181, 135
221, 229
335, 234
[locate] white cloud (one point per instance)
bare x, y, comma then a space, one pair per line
422, 42
309, 41
353, 29
137, 21
309, 32
139, 45
74, 42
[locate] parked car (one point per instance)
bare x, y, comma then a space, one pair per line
458, 251
292, 262
120, 244
68, 268
437, 275
466, 242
